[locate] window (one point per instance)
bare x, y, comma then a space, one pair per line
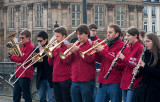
75, 15
12, 17
24, 17
98, 17
153, 11
145, 10
10, 0
120, 16
145, 26
120, 0
153, 27
39, 16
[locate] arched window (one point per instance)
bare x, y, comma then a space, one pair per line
153, 27
145, 26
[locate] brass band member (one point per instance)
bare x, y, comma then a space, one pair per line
44, 72
150, 70
23, 84
109, 89
83, 70
61, 76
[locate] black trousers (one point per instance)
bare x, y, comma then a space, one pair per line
62, 91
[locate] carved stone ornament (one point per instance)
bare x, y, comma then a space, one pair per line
5, 9
64, 5
89, 6
54, 5
131, 8
30, 6
17, 7
45, 4
139, 8
110, 7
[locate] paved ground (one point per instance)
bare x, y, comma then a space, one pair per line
9, 99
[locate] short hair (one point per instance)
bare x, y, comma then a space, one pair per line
93, 26
133, 32
43, 34
61, 30
26, 32
142, 33
83, 28
116, 28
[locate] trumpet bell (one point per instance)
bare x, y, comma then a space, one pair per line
81, 54
62, 56
48, 52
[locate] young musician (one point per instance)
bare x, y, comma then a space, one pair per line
109, 89
150, 70
44, 72
93, 30
83, 70
130, 59
23, 84
61, 76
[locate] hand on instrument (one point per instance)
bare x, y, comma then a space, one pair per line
141, 63
120, 55
135, 70
99, 48
75, 48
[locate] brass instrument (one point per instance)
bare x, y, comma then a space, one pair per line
65, 54
83, 53
14, 47
48, 50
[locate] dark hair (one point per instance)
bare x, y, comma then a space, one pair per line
155, 47
43, 34
117, 29
142, 33
83, 28
25, 32
61, 30
93, 26
133, 32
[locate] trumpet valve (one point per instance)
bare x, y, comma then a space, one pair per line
81, 54
62, 56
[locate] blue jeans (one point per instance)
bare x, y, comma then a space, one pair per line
22, 85
130, 95
44, 88
108, 92
82, 91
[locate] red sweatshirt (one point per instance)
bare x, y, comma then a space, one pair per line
61, 69
106, 56
26, 50
83, 70
132, 55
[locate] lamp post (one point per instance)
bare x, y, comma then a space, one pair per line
84, 12
56, 25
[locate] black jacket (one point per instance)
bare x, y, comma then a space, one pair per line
44, 70
149, 90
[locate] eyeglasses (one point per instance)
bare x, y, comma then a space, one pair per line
22, 37
39, 40
147, 41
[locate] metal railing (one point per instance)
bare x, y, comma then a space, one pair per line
7, 69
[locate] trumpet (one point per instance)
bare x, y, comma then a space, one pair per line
48, 51
83, 53
64, 55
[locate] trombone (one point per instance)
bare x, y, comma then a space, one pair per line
65, 54
83, 53
31, 63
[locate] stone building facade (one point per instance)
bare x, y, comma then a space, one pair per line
151, 16
38, 15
